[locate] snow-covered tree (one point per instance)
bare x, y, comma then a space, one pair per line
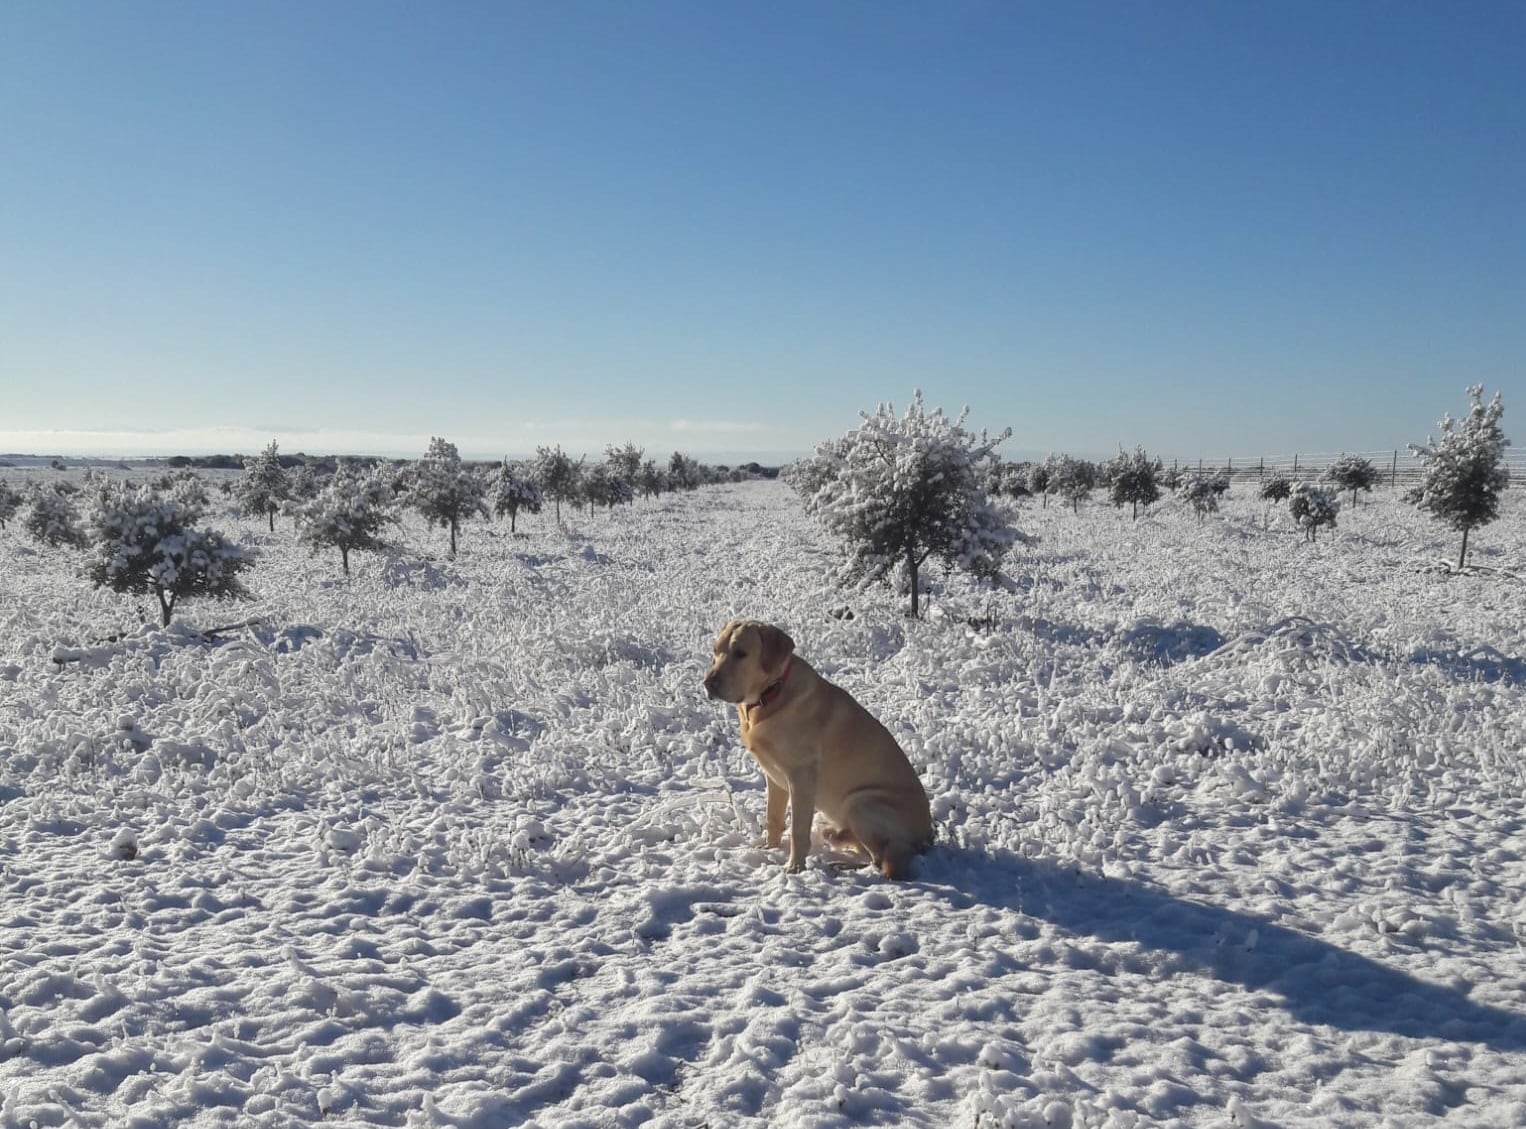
445, 490
1072, 479
1352, 472
603, 486
1133, 479
1313, 507
1278, 487
684, 473
515, 491
808, 477
651, 480
1465, 472
1006, 479
900, 491
302, 485
143, 542
10, 502
624, 464
1040, 476
52, 518
1201, 491
349, 513
264, 486
558, 476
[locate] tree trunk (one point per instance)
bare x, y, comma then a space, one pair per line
166, 606
272, 515
1462, 557
452, 540
912, 568
344, 558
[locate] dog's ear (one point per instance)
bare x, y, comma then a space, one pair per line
723, 637
777, 647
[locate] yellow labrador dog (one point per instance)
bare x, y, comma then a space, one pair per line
820, 751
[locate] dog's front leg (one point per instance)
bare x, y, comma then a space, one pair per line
778, 798
802, 812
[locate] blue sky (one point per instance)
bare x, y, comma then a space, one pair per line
725, 228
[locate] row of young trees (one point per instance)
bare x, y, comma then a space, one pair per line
1462, 475
901, 491
448, 491
147, 538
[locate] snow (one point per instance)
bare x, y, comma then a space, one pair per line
1230, 833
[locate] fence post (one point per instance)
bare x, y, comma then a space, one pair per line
1393, 478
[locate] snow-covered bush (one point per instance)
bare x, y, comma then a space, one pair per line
514, 492
1465, 472
1277, 488
1352, 472
1202, 491
902, 490
52, 518
445, 490
1133, 479
143, 542
1312, 507
264, 485
349, 513
186, 487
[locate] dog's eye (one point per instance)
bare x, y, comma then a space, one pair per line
739, 653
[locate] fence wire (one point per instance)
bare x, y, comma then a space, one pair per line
1396, 468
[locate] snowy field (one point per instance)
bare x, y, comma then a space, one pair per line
1231, 834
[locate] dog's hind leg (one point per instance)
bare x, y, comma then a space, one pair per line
894, 859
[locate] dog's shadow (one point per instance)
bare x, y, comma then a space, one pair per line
1319, 982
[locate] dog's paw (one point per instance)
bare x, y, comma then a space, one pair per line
794, 866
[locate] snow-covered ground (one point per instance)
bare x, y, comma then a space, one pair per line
1231, 834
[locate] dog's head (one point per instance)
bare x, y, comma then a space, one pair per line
748, 656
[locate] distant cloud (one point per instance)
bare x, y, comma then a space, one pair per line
716, 427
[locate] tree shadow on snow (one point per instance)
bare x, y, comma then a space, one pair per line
1319, 982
